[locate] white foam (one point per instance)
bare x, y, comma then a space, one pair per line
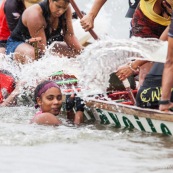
93, 66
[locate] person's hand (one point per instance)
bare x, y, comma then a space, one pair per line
167, 8
124, 72
87, 22
166, 107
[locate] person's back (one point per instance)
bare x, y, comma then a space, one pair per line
13, 10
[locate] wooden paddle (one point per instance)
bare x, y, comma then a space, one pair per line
34, 42
80, 15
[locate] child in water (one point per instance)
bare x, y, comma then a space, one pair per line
48, 98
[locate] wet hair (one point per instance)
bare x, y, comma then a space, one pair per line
62, 18
43, 87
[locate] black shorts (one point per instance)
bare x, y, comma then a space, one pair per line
148, 97
149, 94
3, 43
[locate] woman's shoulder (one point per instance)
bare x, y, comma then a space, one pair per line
34, 13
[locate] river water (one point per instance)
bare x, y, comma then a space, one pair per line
27, 148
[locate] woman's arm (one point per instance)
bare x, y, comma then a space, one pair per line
33, 19
126, 70
69, 36
87, 21
167, 79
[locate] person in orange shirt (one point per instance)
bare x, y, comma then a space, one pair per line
4, 30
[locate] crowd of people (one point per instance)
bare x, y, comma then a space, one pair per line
51, 20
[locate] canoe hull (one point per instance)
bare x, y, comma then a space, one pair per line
119, 115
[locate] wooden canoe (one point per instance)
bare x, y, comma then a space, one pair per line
122, 114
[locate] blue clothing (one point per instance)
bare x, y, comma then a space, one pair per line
12, 45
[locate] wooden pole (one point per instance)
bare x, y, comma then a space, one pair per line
130, 93
78, 12
34, 42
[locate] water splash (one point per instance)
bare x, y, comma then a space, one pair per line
102, 58
93, 66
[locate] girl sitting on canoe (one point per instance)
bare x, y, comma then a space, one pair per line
48, 98
10, 11
52, 21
